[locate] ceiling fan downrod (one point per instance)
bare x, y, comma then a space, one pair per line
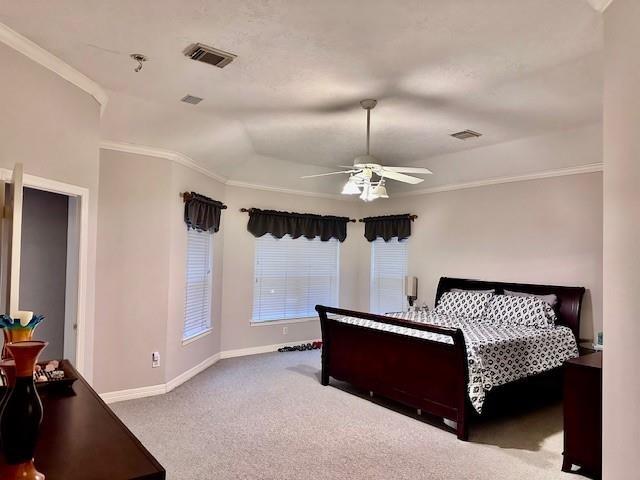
368, 104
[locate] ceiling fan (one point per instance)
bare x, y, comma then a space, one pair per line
361, 174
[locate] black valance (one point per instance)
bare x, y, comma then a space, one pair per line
202, 213
307, 225
387, 227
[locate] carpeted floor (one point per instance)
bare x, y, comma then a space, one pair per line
268, 417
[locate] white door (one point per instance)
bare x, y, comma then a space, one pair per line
11, 240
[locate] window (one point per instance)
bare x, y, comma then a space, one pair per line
292, 276
197, 304
388, 268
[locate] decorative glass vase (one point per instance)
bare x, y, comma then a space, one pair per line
21, 416
14, 331
15, 335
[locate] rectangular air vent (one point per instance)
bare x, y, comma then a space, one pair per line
191, 99
465, 134
210, 55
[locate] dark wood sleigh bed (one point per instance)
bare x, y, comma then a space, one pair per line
420, 373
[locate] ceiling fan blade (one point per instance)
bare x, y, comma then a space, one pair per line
418, 170
401, 177
330, 173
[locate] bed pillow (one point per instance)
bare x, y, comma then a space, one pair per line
524, 311
551, 299
492, 290
464, 304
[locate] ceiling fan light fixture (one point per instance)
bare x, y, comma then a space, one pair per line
351, 187
365, 193
368, 194
366, 168
380, 191
372, 196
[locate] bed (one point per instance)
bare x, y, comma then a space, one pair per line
445, 365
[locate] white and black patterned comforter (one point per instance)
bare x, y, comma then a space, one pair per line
497, 353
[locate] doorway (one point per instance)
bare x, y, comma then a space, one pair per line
43, 269
71, 327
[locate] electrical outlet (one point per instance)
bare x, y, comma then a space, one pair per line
155, 359
285, 330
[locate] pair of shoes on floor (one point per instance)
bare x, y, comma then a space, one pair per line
301, 348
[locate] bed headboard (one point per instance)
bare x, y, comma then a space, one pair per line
569, 298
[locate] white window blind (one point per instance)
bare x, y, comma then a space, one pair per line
197, 304
389, 261
292, 276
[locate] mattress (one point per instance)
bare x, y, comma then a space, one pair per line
497, 353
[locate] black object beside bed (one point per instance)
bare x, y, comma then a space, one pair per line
421, 373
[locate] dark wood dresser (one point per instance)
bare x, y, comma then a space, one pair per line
583, 415
81, 438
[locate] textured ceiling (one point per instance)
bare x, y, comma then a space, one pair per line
288, 105
599, 5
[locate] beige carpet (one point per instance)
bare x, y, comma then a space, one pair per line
268, 417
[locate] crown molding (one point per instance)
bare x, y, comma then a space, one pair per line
161, 153
41, 56
189, 163
269, 188
561, 172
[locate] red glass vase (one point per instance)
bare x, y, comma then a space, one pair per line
21, 416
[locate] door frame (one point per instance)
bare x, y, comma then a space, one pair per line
84, 322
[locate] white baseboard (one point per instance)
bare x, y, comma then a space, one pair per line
152, 390
133, 393
192, 372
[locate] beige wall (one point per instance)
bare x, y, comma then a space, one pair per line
132, 276
180, 358
52, 128
140, 274
542, 231
141, 270
237, 332
621, 415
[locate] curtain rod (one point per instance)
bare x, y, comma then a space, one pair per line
411, 217
185, 196
246, 210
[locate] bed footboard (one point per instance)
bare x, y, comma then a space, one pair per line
421, 373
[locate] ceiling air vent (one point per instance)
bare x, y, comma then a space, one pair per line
466, 134
210, 55
191, 99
